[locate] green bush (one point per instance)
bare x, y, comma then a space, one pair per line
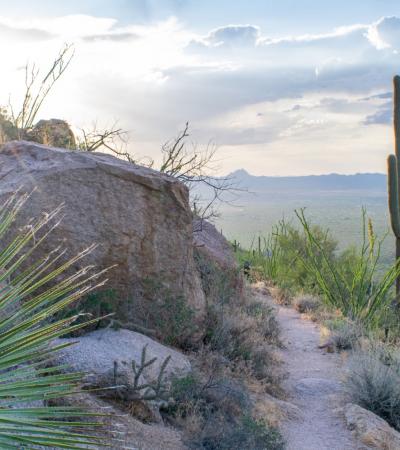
280, 255
355, 288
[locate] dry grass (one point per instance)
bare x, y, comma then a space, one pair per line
306, 304
280, 295
214, 407
374, 381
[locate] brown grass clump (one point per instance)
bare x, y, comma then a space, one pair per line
280, 295
306, 304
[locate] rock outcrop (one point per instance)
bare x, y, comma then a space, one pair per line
216, 263
52, 132
210, 242
139, 219
371, 429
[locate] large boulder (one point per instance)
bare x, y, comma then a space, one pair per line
371, 429
106, 356
126, 366
139, 218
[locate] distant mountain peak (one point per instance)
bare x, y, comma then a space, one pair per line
240, 173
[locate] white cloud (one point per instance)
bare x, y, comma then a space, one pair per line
228, 36
234, 84
385, 33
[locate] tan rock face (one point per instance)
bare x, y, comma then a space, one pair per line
139, 218
208, 240
216, 262
371, 429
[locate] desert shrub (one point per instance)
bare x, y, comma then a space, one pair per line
238, 326
345, 334
214, 411
267, 324
249, 433
306, 303
356, 289
279, 257
374, 382
243, 338
281, 295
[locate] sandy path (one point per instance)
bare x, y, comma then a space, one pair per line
314, 385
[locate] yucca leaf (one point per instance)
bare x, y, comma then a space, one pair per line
30, 300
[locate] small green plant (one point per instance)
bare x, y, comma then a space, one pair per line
157, 390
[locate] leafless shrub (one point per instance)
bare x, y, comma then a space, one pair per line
37, 89
197, 167
113, 139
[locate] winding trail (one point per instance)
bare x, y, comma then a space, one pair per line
314, 386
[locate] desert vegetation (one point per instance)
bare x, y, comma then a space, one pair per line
28, 305
348, 291
230, 347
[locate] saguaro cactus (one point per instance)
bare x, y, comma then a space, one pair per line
394, 174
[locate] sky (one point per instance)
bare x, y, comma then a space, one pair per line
294, 87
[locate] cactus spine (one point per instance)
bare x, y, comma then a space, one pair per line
394, 174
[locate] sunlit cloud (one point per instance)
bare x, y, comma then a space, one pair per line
254, 95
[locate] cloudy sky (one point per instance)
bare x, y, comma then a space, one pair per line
293, 87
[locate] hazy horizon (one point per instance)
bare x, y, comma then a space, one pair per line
241, 169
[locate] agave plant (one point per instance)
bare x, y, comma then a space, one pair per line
29, 304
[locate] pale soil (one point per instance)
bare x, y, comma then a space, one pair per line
314, 385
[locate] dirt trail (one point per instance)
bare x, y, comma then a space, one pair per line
314, 386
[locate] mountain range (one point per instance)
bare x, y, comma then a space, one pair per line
330, 182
